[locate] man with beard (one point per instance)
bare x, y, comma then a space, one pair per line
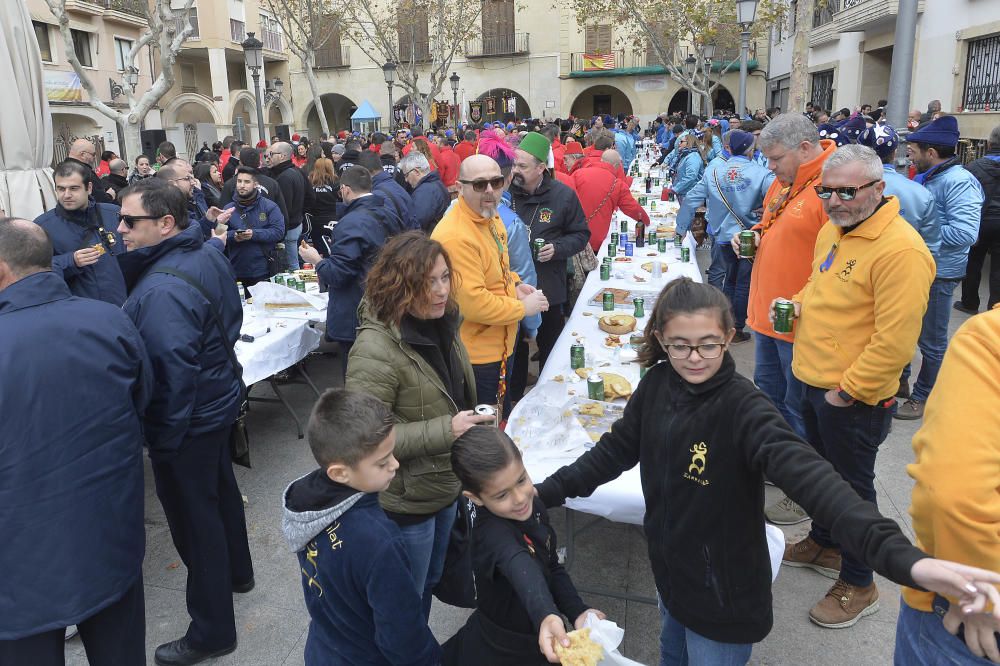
117, 178
859, 316
249, 157
84, 236
179, 174
552, 212
82, 152
491, 297
255, 227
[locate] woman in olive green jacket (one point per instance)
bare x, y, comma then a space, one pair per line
409, 355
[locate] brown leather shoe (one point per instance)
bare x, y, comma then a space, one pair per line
844, 605
809, 554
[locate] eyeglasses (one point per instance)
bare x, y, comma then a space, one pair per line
480, 185
130, 220
844, 193
707, 351
174, 180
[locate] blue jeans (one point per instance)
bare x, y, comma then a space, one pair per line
679, 646
922, 640
426, 544
731, 275
488, 382
849, 438
772, 373
933, 339
292, 247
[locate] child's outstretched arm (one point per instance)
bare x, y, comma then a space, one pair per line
401, 632
616, 452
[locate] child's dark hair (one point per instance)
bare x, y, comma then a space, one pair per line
682, 296
479, 454
347, 426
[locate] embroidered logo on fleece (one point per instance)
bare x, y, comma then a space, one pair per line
699, 461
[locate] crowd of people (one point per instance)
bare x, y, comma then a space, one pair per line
446, 256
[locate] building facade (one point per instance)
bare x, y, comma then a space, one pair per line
850, 56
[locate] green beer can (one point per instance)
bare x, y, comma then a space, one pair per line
614, 237
595, 387
661, 245
678, 240
651, 239
576, 356
536, 245
608, 301
300, 285
784, 316
639, 305
623, 227
642, 200
605, 271
612, 250
685, 254
747, 248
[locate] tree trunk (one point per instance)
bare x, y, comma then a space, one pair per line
130, 131
314, 88
798, 85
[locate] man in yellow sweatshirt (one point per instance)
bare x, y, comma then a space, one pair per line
491, 298
857, 323
956, 498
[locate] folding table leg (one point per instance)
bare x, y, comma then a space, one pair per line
288, 407
301, 365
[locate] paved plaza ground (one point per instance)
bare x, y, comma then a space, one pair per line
272, 620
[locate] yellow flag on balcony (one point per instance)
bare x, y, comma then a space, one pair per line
598, 61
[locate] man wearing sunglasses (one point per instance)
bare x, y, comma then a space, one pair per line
857, 322
195, 403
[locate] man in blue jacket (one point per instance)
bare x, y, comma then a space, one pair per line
190, 319
179, 174
71, 482
958, 199
84, 238
362, 231
385, 185
733, 192
430, 198
255, 227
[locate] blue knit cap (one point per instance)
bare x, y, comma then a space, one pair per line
940, 132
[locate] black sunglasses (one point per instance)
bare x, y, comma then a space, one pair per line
844, 193
130, 220
480, 185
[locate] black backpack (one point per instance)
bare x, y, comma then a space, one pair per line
457, 586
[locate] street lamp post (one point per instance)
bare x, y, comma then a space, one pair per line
746, 12
455, 78
254, 56
690, 64
708, 55
389, 72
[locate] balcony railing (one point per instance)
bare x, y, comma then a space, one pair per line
513, 43
622, 59
237, 30
133, 7
273, 41
857, 15
332, 58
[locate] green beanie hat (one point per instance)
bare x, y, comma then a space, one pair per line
536, 145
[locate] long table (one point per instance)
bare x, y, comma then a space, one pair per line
549, 433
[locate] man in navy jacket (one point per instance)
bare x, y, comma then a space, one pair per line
362, 231
84, 237
71, 481
191, 414
396, 198
255, 227
430, 198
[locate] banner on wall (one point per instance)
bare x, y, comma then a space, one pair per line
62, 86
491, 106
475, 111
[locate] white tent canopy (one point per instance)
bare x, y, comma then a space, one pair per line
26, 124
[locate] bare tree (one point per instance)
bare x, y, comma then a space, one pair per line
161, 34
675, 28
798, 83
421, 36
308, 26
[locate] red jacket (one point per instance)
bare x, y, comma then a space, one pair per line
558, 153
463, 149
566, 180
601, 192
591, 156
448, 162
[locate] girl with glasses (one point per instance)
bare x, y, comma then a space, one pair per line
706, 437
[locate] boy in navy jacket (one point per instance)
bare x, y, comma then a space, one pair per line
355, 575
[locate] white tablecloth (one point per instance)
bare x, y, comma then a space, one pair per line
540, 423
280, 341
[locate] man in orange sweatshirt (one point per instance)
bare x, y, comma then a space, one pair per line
491, 297
860, 315
956, 498
786, 237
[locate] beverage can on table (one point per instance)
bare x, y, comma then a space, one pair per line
661, 245
784, 316
685, 254
605, 271
300, 285
595, 387
608, 301
652, 204
656, 182
651, 239
487, 410
639, 303
536, 245
577, 357
290, 282
629, 249
614, 237
279, 279
612, 250
624, 227
678, 240
642, 200
747, 247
